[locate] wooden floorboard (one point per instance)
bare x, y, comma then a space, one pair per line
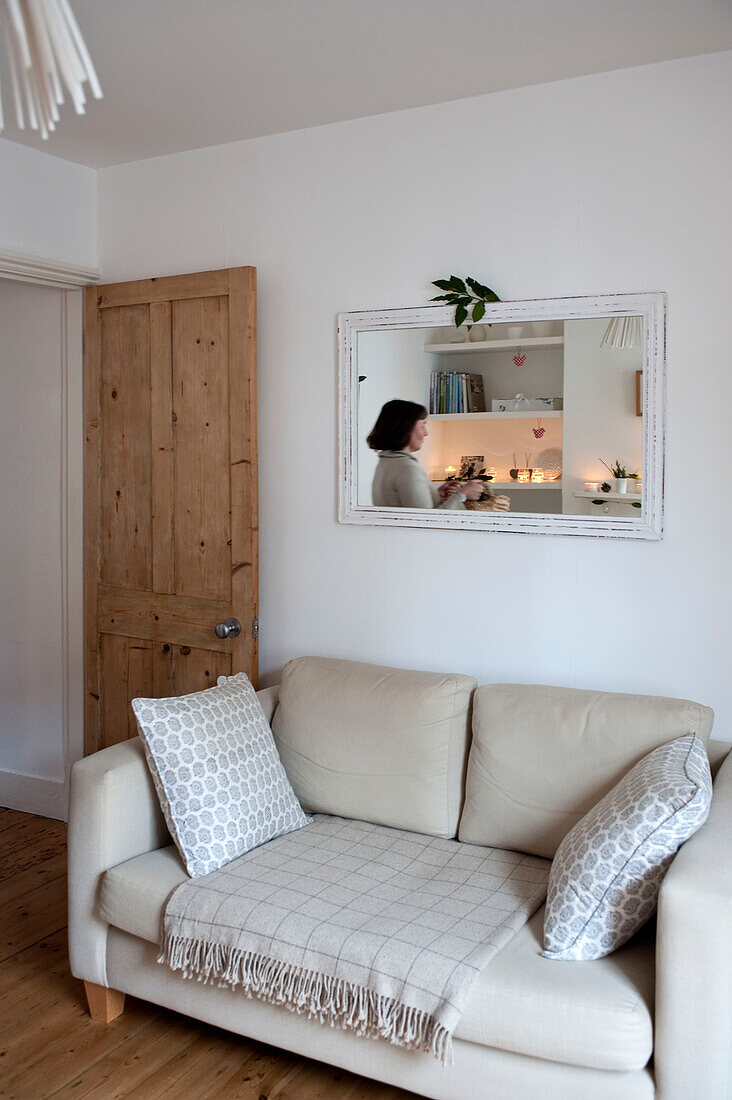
49, 1046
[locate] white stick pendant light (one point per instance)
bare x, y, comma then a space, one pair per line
44, 51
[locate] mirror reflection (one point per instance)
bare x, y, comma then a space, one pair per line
537, 417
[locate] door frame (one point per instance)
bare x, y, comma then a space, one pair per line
32, 794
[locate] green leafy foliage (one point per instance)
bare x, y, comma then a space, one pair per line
481, 291
467, 295
471, 472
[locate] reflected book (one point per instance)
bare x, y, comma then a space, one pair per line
456, 392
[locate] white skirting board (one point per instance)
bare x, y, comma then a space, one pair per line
34, 795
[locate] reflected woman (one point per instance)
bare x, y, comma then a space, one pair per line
400, 481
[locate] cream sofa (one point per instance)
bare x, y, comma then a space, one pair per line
652, 1020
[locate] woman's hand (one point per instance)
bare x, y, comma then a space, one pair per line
448, 488
473, 489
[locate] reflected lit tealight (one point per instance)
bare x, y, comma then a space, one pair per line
592, 486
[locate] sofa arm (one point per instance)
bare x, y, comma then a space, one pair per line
693, 1043
114, 815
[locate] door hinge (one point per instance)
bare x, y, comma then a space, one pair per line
255, 628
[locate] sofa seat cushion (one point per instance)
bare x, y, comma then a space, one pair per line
594, 1014
385, 745
134, 893
598, 1015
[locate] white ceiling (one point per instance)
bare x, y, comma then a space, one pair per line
182, 74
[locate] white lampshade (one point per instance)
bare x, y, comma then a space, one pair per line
623, 332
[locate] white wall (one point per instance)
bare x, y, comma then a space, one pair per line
47, 206
395, 365
32, 647
618, 182
48, 209
600, 420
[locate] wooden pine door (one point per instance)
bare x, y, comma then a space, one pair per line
170, 490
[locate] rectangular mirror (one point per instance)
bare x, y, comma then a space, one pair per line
522, 411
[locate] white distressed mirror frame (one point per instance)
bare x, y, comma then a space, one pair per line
650, 306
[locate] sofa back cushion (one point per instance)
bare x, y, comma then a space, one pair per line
541, 757
380, 744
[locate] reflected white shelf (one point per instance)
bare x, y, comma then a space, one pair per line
527, 484
496, 345
520, 484
498, 416
587, 494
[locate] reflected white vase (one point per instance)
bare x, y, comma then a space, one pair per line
621, 484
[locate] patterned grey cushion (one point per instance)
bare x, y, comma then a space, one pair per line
221, 785
607, 872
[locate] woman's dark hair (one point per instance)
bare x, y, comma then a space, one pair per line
394, 425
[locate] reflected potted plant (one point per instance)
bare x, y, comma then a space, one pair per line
620, 475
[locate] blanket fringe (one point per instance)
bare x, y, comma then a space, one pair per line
322, 997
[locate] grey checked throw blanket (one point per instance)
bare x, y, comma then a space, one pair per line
376, 930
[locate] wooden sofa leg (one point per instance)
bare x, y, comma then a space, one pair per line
105, 1004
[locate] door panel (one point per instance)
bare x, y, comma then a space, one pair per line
126, 472
125, 671
179, 669
171, 490
161, 446
202, 553
198, 668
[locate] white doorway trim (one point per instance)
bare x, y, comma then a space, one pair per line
34, 794
35, 269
